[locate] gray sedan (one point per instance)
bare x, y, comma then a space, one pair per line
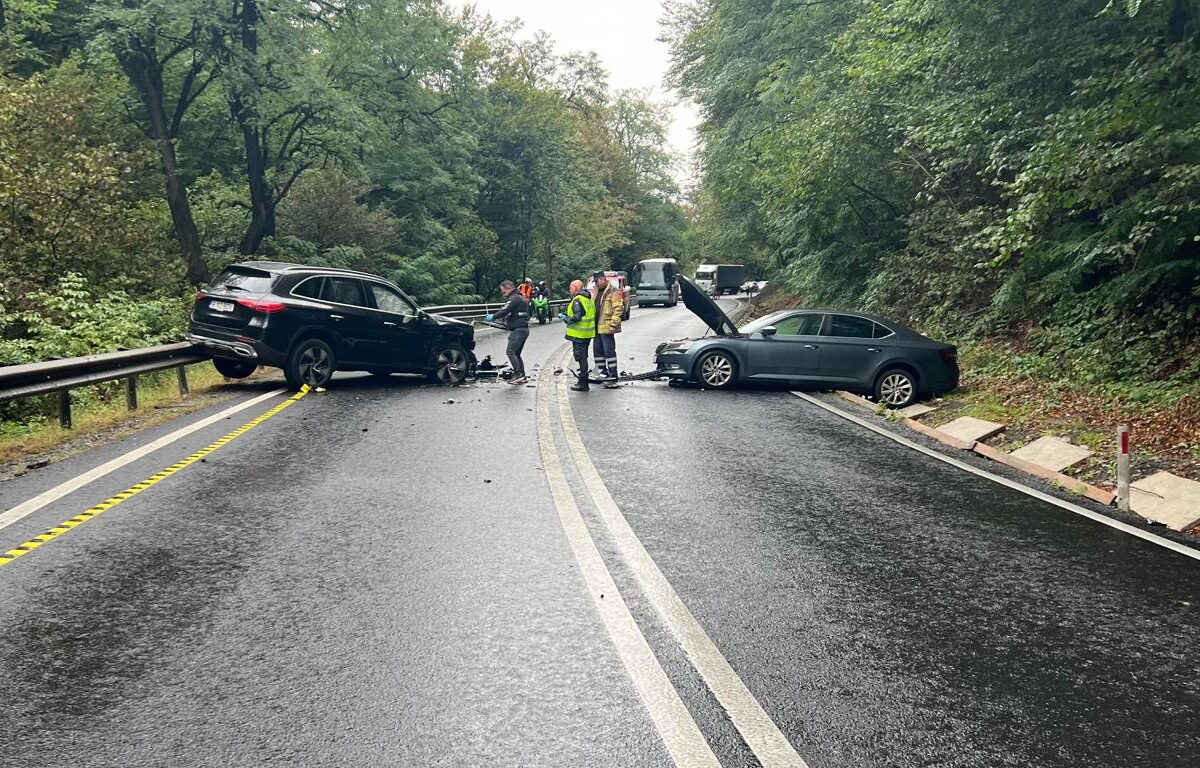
820, 348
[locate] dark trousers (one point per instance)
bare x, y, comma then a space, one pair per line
516, 343
579, 347
605, 352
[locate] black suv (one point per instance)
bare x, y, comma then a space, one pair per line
311, 321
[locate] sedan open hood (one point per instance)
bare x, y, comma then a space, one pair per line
705, 308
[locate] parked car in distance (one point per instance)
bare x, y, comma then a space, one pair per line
654, 281
823, 348
313, 321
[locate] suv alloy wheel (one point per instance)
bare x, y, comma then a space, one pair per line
311, 362
453, 365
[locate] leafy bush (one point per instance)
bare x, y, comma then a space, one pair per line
74, 319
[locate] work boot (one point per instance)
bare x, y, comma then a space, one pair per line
580, 387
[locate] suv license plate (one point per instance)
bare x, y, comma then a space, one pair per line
220, 306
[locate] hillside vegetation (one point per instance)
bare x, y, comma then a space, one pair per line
1020, 173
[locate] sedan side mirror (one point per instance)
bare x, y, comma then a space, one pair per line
769, 331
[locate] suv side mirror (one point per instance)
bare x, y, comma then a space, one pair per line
769, 331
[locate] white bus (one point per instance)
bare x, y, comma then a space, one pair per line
655, 283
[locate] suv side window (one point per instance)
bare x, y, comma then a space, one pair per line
387, 300
343, 290
851, 327
309, 288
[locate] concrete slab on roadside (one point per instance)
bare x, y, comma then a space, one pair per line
971, 430
859, 401
1169, 499
1052, 453
913, 411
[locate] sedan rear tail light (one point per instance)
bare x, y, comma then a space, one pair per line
949, 354
201, 295
258, 305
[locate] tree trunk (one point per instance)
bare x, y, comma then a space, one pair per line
146, 76
262, 201
1177, 24
548, 276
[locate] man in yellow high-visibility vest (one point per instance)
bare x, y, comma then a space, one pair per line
580, 318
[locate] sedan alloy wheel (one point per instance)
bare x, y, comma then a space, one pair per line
896, 389
717, 370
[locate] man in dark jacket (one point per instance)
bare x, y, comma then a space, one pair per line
515, 315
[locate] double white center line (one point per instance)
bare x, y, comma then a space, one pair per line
678, 728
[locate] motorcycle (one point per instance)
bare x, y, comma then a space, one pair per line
541, 309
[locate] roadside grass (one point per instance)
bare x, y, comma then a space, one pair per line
103, 410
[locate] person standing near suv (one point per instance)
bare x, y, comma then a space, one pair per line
610, 308
515, 315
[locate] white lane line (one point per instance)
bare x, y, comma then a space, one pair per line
1099, 518
680, 734
759, 731
54, 494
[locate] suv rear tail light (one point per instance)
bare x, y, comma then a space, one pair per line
257, 305
949, 354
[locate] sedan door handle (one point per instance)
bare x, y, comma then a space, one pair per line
337, 317
389, 323
811, 346
872, 349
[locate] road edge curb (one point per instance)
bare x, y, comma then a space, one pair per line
1098, 517
1073, 484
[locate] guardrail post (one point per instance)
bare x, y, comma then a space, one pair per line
131, 392
1123, 468
64, 408
181, 371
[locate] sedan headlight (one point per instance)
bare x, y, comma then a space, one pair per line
675, 347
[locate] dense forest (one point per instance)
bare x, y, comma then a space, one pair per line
145, 144
1019, 170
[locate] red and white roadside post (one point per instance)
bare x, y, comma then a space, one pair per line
1123, 468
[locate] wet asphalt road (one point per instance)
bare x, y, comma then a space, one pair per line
378, 576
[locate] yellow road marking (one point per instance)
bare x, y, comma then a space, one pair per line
107, 504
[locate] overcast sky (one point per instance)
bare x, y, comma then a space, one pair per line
624, 33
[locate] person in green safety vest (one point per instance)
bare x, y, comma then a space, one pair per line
580, 318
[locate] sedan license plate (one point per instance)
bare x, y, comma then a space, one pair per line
221, 306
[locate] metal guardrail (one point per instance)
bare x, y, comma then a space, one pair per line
479, 311
35, 379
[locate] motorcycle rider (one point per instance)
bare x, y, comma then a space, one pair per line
541, 302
